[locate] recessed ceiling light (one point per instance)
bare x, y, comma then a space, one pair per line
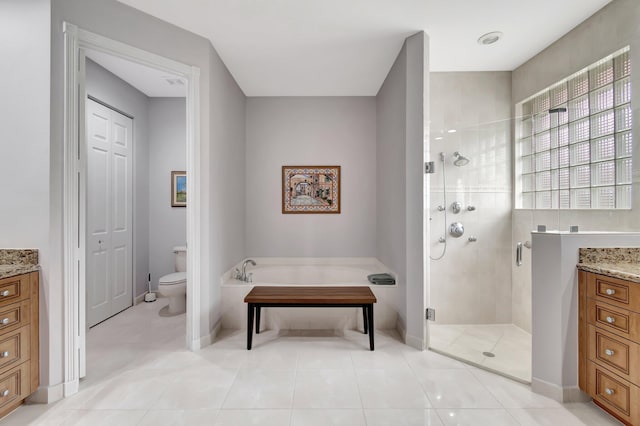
490, 38
451, 131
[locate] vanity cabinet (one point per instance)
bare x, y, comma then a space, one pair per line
609, 344
19, 344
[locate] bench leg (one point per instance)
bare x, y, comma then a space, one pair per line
249, 325
364, 318
370, 324
258, 319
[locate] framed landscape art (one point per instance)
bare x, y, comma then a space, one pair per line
178, 189
310, 189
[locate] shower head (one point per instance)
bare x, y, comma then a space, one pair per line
460, 160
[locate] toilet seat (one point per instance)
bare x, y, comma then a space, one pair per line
174, 278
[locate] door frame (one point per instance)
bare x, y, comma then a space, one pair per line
76, 40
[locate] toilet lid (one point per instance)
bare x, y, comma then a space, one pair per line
175, 278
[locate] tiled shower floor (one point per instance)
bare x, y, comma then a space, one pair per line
510, 344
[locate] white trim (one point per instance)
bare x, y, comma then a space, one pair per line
401, 330
76, 39
415, 342
207, 340
46, 394
558, 393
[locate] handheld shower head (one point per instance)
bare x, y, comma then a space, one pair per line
460, 160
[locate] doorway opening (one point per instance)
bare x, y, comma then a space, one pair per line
77, 43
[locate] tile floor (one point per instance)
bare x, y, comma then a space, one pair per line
510, 344
139, 374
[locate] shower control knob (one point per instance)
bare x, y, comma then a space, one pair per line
473, 239
456, 229
471, 208
456, 207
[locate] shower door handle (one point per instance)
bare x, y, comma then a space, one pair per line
519, 254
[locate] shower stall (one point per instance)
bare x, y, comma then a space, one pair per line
480, 296
481, 317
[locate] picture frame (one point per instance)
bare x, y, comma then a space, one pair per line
178, 189
311, 189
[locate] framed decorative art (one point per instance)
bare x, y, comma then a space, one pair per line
178, 189
310, 189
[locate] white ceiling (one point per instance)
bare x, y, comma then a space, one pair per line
150, 81
346, 47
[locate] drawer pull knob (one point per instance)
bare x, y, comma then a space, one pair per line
4, 354
5, 392
609, 352
4, 293
5, 321
611, 320
610, 291
609, 391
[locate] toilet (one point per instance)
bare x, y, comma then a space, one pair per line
174, 286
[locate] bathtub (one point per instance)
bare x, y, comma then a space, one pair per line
306, 272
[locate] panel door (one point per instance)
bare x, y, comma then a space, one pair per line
109, 212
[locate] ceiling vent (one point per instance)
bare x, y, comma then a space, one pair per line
174, 81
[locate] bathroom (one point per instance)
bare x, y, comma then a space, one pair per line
154, 101
385, 213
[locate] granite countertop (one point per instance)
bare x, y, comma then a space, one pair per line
7, 271
18, 261
623, 263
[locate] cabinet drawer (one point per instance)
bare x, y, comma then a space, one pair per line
14, 316
619, 355
14, 385
618, 321
14, 348
14, 289
621, 293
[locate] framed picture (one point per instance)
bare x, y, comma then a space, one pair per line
178, 189
310, 189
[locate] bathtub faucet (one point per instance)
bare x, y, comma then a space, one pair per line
242, 275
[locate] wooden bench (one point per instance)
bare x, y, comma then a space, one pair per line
309, 297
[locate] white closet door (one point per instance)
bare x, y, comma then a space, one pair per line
109, 212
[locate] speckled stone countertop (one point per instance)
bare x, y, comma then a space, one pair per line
18, 261
623, 263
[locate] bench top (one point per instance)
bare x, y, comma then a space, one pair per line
311, 295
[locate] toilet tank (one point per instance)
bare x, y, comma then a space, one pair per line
181, 258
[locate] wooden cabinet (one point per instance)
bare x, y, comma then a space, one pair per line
609, 344
19, 344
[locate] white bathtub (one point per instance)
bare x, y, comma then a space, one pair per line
304, 272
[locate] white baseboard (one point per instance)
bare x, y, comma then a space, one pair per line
558, 393
401, 330
205, 341
47, 394
139, 299
415, 342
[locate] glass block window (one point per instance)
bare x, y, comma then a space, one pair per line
574, 140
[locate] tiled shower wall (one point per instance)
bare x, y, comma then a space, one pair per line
471, 284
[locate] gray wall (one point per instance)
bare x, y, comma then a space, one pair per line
402, 114
24, 145
118, 94
221, 131
167, 152
311, 131
225, 156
